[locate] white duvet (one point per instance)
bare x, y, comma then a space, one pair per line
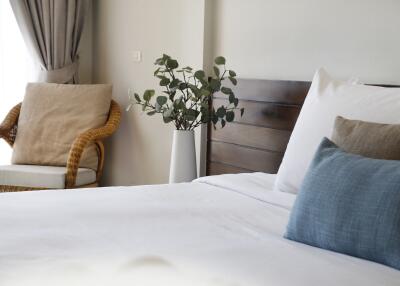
223, 230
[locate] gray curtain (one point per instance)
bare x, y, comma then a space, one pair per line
52, 30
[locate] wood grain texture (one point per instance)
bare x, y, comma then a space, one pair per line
214, 168
252, 136
245, 157
278, 91
266, 114
258, 140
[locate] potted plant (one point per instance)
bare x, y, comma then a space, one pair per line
186, 102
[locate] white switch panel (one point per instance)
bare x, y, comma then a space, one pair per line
136, 56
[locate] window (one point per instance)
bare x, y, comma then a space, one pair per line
16, 68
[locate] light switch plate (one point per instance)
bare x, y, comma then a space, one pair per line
136, 56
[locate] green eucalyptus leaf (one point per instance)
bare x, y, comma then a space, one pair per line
231, 98
214, 119
174, 83
241, 112
205, 117
215, 84
195, 90
161, 100
179, 104
233, 80
216, 71
200, 74
151, 113
223, 123
191, 114
159, 62
164, 81
204, 105
221, 112
203, 82
156, 71
189, 117
232, 73
137, 97
172, 95
226, 90
158, 107
220, 60
183, 86
235, 102
172, 64
204, 92
230, 116
148, 94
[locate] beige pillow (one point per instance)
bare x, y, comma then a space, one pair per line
52, 116
373, 140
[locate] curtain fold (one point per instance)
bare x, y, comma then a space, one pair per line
52, 30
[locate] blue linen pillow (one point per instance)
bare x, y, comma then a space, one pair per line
349, 204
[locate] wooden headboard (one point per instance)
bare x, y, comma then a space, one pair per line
258, 140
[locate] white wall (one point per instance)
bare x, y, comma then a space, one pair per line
290, 39
139, 153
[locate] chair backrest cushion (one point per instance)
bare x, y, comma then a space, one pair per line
53, 116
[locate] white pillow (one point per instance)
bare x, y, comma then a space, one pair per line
327, 99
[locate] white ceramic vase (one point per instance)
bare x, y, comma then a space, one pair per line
183, 157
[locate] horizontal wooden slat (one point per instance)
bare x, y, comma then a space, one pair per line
258, 140
245, 158
290, 92
252, 136
214, 168
271, 115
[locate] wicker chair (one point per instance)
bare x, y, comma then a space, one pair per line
9, 129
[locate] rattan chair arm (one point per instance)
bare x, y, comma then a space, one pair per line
88, 137
9, 124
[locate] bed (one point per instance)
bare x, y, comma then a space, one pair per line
225, 229
222, 230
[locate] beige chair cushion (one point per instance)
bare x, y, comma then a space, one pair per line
368, 139
47, 177
53, 116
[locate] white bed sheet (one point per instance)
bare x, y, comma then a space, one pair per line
223, 230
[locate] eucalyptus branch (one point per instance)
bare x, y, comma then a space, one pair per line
223, 74
192, 108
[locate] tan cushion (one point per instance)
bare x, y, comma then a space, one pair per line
47, 177
53, 116
373, 140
